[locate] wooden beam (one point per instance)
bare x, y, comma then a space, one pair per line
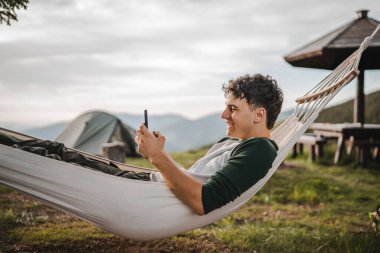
359, 99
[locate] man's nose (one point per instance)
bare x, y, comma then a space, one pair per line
224, 114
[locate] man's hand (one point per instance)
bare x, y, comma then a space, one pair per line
149, 144
185, 187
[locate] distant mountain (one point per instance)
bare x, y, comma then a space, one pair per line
344, 112
193, 134
49, 132
19, 127
154, 121
284, 115
181, 133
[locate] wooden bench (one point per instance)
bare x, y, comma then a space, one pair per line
315, 144
363, 150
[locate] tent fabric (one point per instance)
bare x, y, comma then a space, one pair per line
145, 210
89, 131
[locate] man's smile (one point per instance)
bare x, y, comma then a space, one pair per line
229, 124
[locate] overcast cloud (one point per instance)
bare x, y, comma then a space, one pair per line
168, 56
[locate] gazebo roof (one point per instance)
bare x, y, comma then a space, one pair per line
331, 49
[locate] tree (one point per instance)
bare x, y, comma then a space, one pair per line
8, 10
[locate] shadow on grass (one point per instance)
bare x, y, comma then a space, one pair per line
7, 225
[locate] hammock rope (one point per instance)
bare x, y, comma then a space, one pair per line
144, 210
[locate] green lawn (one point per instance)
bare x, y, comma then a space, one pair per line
303, 208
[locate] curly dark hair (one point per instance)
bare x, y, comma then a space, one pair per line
259, 91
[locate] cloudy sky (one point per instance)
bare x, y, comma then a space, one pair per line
65, 57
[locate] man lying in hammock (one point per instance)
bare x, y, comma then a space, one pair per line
238, 161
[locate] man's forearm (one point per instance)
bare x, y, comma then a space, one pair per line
185, 187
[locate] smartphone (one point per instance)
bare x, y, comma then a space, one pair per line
146, 118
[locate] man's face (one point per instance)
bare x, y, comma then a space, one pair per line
240, 118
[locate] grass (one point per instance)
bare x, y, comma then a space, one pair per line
305, 207
321, 209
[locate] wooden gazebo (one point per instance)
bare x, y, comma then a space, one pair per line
331, 49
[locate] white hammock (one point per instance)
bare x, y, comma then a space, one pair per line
143, 210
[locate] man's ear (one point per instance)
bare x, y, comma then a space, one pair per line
260, 115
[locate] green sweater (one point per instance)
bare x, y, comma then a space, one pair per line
249, 162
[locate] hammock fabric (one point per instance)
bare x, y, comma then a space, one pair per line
144, 210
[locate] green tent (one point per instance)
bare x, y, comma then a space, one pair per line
89, 131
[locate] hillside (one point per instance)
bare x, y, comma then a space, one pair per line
49, 132
184, 134
344, 112
155, 121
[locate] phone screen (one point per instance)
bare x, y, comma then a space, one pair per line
146, 118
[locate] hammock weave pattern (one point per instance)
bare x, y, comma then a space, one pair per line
143, 210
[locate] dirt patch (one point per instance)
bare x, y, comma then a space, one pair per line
204, 243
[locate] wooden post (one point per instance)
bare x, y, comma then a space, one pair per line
359, 100
339, 149
312, 154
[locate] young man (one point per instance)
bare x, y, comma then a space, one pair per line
239, 161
